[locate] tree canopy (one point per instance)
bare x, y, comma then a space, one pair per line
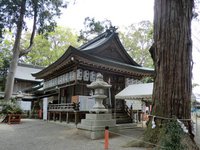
13, 16
137, 40
48, 49
6, 49
42, 11
93, 28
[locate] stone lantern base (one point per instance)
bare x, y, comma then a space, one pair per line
94, 125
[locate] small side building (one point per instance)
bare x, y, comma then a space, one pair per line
24, 81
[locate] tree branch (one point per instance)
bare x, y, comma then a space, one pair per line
26, 51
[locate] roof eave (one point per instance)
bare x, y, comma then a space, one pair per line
54, 65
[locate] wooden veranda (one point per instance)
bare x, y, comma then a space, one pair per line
68, 112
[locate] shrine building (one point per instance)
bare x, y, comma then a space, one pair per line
65, 80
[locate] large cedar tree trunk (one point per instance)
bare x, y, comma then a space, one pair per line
172, 56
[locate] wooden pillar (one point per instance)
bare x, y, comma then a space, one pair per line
67, 117
76, 117
131, 113
59, 95
54, 116
49, 116
60, 116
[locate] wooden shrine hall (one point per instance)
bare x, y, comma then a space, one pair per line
65, 80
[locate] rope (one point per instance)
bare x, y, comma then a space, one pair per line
165, 118
138, 140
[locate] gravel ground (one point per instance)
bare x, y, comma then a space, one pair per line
42, 135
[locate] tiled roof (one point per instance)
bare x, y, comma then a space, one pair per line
99, 40
24, 72
88, 53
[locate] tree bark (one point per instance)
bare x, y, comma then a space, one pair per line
35, 9
172, 56
16, 52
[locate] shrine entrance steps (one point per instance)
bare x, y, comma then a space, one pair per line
122, 117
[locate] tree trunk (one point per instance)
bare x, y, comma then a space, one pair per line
16, 52
172, 55
173, 58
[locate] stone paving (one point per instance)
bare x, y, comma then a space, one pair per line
42, 135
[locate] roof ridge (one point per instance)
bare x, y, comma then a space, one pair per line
108, 32
30, 65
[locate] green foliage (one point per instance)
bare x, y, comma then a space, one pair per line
9, 15
10, 107
13, 16
48, 49
93, 28
6, 50
167, 135
152, 135
147, 80
5, 57
171, 139
137, 40
46, 11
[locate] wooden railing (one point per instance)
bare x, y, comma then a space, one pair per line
62, 107
59, 111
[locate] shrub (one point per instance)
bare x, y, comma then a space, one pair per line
172, 136
10, 107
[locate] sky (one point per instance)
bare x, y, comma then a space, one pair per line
120, 12
123, 13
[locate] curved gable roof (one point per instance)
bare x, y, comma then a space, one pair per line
107, 38
97, 41
90, 52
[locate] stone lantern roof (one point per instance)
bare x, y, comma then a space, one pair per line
99, 83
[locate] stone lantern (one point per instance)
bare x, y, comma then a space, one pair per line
99, 87
95, 122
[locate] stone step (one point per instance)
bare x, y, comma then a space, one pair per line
123, 116
126, 126
99, 116
122, 121
95, 128
104, 123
